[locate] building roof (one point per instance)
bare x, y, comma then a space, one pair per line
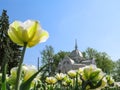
76, 55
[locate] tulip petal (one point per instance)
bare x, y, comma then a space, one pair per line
33, 29
25, 35
40, 36
44, 36
12, 34
16, 24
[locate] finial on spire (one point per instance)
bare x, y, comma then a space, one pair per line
76, 44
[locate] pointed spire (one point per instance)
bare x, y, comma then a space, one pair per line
76, 47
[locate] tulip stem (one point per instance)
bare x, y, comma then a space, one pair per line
4, 71
4, 67
19, 71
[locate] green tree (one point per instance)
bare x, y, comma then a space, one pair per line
116, 73
47, 54
103, 60
8, 49
90, 53
60, 55
47, 57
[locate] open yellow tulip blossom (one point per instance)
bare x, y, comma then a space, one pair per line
51, 80
72, 73
29, 32
60, 76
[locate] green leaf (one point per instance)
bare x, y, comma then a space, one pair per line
94, 74
86, 73
97, 85
26, 84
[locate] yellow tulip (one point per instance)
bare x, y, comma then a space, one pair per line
72, 73
29, 32
28, 71
51, 80
60, 76
80, 71
12, 77
92, 73
67, 81
13, 71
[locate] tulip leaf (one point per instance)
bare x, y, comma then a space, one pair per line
94, 74
97, 85
86, 73
26, 84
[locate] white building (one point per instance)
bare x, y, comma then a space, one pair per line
74, 61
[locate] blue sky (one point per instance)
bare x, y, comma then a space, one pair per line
94, 23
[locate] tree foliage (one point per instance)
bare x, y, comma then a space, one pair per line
116, 73
103, 60
48, 56
8, 50
90, 53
